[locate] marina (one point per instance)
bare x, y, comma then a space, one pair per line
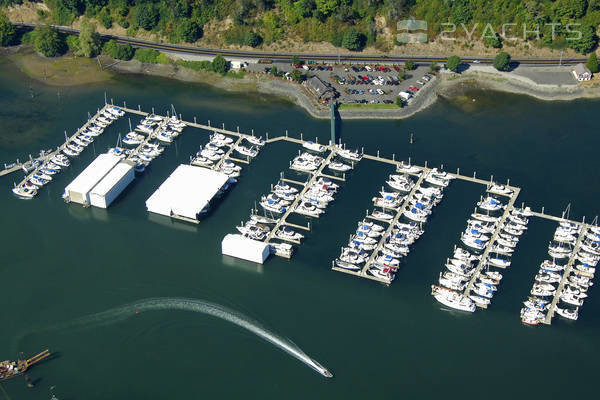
124, 255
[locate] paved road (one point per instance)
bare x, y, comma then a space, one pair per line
309, 56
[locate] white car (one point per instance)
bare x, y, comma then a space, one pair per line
368, 68
420, 83
426, 78
380, 91
476, 61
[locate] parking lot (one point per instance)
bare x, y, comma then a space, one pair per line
363, 83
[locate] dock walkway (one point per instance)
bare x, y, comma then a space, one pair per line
483, 260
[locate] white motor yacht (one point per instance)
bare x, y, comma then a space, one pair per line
349, 154
485, 217
256, 141
246, 151
25, 192
309, 209
381, 215
491, 204
346, 265
572, 299
496, 188
568, 313
452, 299
285, 232
319, 148
338, 166
407, 168
472, 242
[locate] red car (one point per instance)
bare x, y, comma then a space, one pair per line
413, 88
397, 68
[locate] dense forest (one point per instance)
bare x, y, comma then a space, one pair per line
352, 24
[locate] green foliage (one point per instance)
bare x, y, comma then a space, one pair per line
453, 63
402, 75
73, 44
196, 65
188, 31
7, 31
162, 58
295, 60
47, 41
399, 102
219, 65
252, 39
409, 65
588, 41
146, 55
89, 42
492, 41
297, 75
502, 61
117, 51
433, 67
146, 16
353, 40
592, 63
28, 38
105, 18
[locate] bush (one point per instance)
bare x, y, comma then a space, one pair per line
409, 65
189, 31
105, 18
453, 63
196, 65
73, 43
28, 38
219, 65
399, 102
146, 55
492, 41
146, 16
47, 41
117, 51
7, 31
124, 23
588, 41
162, 58
502, 61
89, 41
353, 40
252, 39
592, 63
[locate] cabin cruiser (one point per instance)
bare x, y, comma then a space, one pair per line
387, 202
25, 192
551, 266
257, 141
500, 248
164, 137
572, 299
400, 185
472, 242
485, 217
118, 151
70, 152
201, 161
415, 214
309, 209
574, 290
381, 215
454, 284
352, 256
500, 189
480, 300
61, 160
285, 232
407, 168
349, 154
346, 265
568, 313
460, 269
539, 291
115, 110
490, 204
252, 231
368, 225
338, 166
147, 129
210, 154
388, 261
536, 303
524, 212
303, 164
281, 249
498, 262
381, 273
284, 187
531, 317
436, 180
452, 299
319, 148
483, 291
580, 281
464, 255
326, 183
246, 151
273, 205
545, 278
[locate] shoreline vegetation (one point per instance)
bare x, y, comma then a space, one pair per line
68, 70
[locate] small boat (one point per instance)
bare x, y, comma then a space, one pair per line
307, 208
338, 166
349, 154
452, 299
381, 215
25, 192
500, 189
319, 148
285, 232
480, 300
281, 249
568, 313
257, 141
346, 265
246, 151
407, 168
485, 217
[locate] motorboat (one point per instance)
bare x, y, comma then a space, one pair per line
490, 204
436, 180
201, 161
387, 261
485, 217
346, 265
61, 160
480, 300
24, 192
246, 151
498, 262
115, 110
415, 214
536, 303
531, 317
352, 256
256, 141
309, 145
281, 249
349, 154
303, 164
472, 242
285, 232
147, 129
497, 276
452, 299
464, 255
483, 291
309, 209
487, 286
368, 225
568, 313
461, 269
381, 273
400, 185
211, 155
407, 168
545, 278
273, 205
70, 152
338, 166
572, 299
496, 188
284, 187
382, 215
388, 202
133, 139
452, 284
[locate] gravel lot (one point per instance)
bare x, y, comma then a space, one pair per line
354, 92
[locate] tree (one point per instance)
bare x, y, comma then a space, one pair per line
592, 63
295, 60
588, 40
453, 63
297, 75
89, 42
353, 40
105, 18
146, 16
219, 65
189, 31
399, 102
47, 41
409, 65
73, 43
492, 41
252, 39
273, 70
433, 67
7, 31
402, 75
502, 61
117, 51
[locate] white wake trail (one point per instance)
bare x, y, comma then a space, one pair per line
203, 307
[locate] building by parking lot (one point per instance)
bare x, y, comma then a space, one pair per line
323, 91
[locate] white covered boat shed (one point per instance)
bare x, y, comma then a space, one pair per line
100, 182
239, 246
186, 192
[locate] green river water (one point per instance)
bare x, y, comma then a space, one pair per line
63, 262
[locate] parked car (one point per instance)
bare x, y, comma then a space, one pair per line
413, 88
380, 91
426, 78
368, 68
421, 83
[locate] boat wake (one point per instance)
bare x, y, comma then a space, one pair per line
204, 307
